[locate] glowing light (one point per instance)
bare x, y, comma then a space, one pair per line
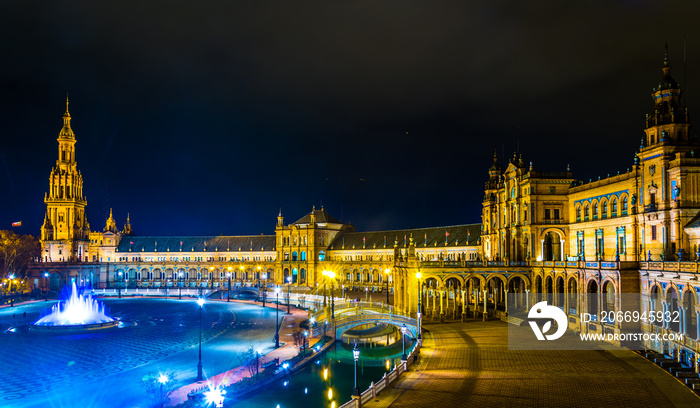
77, 310
325, 373
285, 366
418, 275
163, 378
200, 301
333, 404
388, 365
330, 393
306, 390
215, 396
285, 383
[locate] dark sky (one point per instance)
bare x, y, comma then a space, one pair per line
204, 118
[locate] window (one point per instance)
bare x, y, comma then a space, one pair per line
624, 204
595, 210
653, 232
585, 211
303, 254
294, 256
525, 215
578, 213
547, 214
605, 209
556, 213
613, 205
286, 256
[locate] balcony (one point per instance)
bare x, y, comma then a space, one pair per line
650, 207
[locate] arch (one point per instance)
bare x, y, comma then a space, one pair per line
522, 276
572, 293
689, 317
592, 297
553, 245
623, 203
302, 276
295, 276
158, 273
286, 275
321, 256
294, 256
303, 255
169, 273
578, 212
603, 208
132, 273
549, 289
608, 294
594, 209
613, 206
655, 302
672, 306
560, 293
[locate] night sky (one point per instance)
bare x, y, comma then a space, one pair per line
204, 118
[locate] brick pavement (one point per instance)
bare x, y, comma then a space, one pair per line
469, 364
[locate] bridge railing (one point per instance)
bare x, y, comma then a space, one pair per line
375, 388
323, 326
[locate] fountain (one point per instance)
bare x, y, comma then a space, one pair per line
79, 311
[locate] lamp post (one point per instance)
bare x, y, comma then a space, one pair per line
258, 268
277, 319
403, 342
418, 315
46, 275
162, 379
119, 285
303, 346
243, 276
179, 284
228, 298
12, 295
356, 356
331, 275
289, 293
343, 291
257, 363
387, 272
264, 275
200, 302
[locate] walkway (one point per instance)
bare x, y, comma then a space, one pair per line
286, 351
470, 364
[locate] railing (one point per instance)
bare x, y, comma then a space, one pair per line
688, 267
374, 389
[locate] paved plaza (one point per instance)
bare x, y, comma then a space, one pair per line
104, 367
469, 364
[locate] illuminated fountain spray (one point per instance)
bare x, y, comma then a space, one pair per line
80, 309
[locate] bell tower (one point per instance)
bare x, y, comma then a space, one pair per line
65, 231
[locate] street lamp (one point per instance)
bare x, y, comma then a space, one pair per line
228, 298
119, 285
356, 356
277, 318
258, 268
162, 379
264, 276
200, 302
215, 396
289, 293
331, 276
257, 363
404, 329
418, 315
387, 272
303, 347
46, 275
12, 295
179, 284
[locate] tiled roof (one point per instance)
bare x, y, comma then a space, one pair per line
423, 237
694, 223
197, 244
321, 217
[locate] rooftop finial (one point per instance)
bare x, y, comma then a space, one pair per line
67, 104
280, 214
666, 55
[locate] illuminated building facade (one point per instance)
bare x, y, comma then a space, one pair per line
637, 231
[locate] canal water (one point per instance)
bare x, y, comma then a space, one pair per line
332, 370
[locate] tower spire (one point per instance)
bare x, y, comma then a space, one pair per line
67, 113
66, 131
666, 55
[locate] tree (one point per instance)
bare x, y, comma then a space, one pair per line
248, 360
158, 388
16, 251
298, 336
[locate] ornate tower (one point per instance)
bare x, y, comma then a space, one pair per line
65, 231
666, 198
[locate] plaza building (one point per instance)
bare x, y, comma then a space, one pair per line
543, 233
